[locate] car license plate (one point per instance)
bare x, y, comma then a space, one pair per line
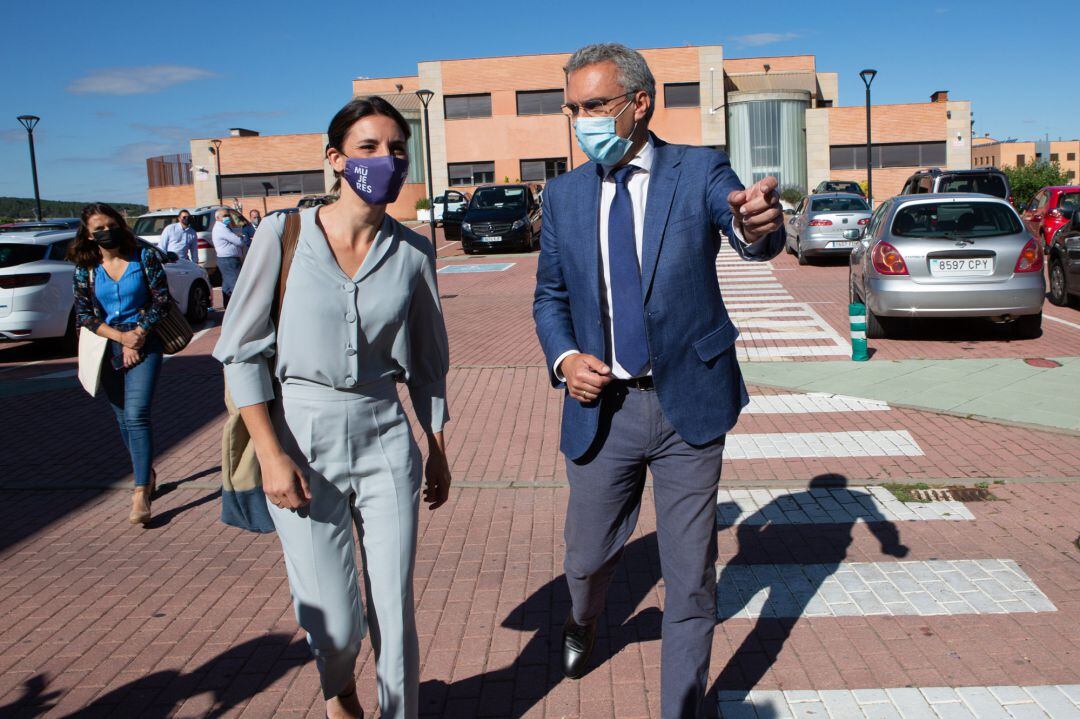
838, 244
961, 266
491, 239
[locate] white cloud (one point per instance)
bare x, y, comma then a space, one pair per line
758, 39
136, 80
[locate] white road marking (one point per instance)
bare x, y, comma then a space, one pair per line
1052, 701
811, 403
829, 505
1061, 321
866, 589
774, 353
788, 445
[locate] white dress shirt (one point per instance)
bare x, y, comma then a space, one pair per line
638, 187
226, 242
181, 240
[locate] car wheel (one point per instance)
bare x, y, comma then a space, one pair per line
198, 303
68, 343
1027, 327
803, 259
787, 246
1059, 289
875, 326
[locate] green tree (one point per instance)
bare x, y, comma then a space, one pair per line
792, 194
1026, 180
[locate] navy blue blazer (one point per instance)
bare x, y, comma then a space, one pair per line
691, 339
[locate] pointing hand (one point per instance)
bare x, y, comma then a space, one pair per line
756, 210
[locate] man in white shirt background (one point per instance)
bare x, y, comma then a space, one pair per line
180, 237
229, 247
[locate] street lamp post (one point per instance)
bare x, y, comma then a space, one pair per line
29, 122
217, 168
425, 97
868, 78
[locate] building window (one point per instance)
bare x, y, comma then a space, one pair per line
1020, 160
542, 170
1071, 157
282, 183
1071, 174
471, 173
539, 102
682, 94
908, 154
462, 106
1053, 157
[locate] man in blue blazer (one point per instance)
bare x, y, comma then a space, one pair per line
630, 316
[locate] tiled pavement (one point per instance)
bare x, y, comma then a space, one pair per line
191, 618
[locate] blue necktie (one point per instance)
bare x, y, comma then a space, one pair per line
627, 305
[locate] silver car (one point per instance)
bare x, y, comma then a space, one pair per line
947, 255
817, 227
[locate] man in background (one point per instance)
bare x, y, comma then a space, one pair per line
180, 237
229, 247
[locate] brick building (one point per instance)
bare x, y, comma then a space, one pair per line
988, 152
499, 119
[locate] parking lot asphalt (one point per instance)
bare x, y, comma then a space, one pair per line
192, 618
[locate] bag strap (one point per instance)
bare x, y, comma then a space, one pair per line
290, 238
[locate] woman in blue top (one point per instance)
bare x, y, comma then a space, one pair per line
120, 293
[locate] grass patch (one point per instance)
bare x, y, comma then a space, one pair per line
917, 492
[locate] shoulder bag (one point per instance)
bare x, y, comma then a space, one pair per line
173, 329
92, 348
243, 504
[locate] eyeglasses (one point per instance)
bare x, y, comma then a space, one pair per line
590, 107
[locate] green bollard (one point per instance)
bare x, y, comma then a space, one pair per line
857, 318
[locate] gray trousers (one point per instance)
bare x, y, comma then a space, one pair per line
605, 499
364, 469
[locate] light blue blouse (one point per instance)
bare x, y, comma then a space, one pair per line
334, 330
123, 299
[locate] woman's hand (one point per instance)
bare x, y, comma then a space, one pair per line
132, 357
133, 339
284, 483
437, 473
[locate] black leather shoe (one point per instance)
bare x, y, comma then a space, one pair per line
577, 645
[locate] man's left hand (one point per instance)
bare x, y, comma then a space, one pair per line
756, 210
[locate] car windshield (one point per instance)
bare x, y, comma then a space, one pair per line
839, 204
12, 254
955, 219
153, 225
1070, 200
499, 198
843, 187
983, 184
34, 228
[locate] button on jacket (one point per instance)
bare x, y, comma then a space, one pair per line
338, 331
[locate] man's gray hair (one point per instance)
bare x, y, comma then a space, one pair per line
634, 72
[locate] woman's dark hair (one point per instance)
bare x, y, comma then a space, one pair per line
358, 109
83, 251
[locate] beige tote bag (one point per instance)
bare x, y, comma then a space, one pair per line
92, 348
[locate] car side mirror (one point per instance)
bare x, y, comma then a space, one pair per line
853, 234
172, 257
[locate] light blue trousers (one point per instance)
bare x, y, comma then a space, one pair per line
364, 469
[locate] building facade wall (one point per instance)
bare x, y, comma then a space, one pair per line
987, 152
158, 198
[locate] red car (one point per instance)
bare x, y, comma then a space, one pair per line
1043, 216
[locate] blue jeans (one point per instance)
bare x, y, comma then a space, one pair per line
229, 267
130, 393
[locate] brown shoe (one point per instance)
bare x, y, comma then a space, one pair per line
140, 506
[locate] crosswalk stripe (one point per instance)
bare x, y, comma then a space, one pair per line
829, 505
766, 353
782, 445
811, 403
865, 589
1056, 701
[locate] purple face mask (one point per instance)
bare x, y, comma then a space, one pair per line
377, 180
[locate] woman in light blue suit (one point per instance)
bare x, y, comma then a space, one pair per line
361, 313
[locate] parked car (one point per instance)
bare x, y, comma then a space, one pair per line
283, 211
450, 201
37, 301
817, 226
1045, 214
53, 223
501, 217
839, 186
150, 226
316, 200
985, 180
1063, 259
947, 255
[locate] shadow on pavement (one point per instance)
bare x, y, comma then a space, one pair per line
764, 544
34, 700
63, 439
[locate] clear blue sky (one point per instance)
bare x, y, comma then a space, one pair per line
140, 78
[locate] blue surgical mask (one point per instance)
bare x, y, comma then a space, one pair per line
226, 221
599, 140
